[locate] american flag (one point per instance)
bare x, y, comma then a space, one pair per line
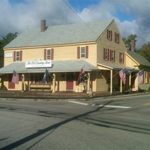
140, 77
122, 75
15, 78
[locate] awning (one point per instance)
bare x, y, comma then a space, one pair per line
115, 67
57, 66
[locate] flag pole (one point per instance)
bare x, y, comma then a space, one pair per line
137, 73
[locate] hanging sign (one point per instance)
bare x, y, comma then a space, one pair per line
38, 64
8, 54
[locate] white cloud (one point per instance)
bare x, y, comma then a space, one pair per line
17, 17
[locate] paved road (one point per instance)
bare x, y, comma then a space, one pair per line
112, 124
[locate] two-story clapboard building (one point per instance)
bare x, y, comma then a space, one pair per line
97, 47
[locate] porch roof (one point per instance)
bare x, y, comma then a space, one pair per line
57, 66
116, 67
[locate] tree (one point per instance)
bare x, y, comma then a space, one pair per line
5, 40
127, 41
145, 51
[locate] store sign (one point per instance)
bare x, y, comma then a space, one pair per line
38, 64
8, 55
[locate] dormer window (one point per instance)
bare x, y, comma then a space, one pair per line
109, 34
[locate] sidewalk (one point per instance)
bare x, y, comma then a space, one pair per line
46, 96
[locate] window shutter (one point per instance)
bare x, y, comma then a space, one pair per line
114, 56
119, 57
87, 49
104, 54
118, 38
14, 56
20, 55
123, 58
44, 54
107, 33
78, 52
52, 54
110, 54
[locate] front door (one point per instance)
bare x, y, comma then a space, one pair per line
11, 85
69, 85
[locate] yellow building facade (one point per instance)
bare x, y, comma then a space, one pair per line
97, 48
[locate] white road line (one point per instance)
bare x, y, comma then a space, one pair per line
110, 106
78, 103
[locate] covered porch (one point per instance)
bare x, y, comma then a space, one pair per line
110, 73
63, 77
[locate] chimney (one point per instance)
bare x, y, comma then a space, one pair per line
132, 45
43, 25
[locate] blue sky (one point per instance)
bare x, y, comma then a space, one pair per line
131, 16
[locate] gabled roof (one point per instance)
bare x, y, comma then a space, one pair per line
57, 66
140, 59
61, 34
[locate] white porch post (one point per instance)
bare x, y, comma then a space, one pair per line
130, 83
54, 79
88, 84
22, 82
120, 86
111, 81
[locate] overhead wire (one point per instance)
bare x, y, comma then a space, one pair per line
77, 15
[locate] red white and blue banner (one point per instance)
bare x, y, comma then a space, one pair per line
140, 76
15, 78
122, 75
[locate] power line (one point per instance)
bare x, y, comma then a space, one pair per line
77, 15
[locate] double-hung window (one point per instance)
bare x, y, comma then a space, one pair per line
17, 56
48, 54
109, 34
121, 57
112, 55
116, 37
82, 54
106, 54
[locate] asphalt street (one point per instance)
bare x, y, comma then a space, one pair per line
100, 124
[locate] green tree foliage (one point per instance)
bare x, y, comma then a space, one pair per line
5, 40
127, 41
145, 51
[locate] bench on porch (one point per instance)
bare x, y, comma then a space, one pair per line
40, 87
